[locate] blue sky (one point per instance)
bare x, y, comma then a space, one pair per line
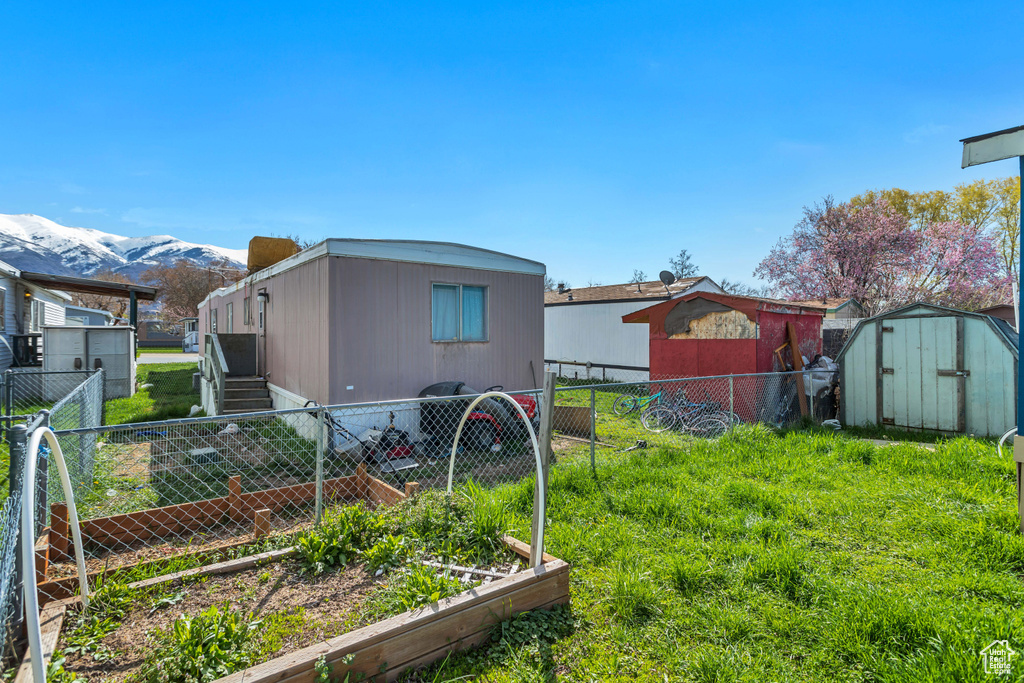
595, 137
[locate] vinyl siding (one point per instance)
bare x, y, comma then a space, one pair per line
380, 330
336, 322
294, 352
10, 321
596, 333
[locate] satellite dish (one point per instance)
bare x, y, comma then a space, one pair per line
667, 277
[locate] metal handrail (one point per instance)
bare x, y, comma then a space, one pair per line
218, 369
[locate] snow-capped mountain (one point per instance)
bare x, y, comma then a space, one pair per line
34, 243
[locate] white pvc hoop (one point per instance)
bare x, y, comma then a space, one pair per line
542, 487
28, 544
999, 446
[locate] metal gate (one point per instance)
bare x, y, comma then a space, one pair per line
921, 374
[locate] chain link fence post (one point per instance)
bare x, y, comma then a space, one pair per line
42, 476
593, 429
810, 397
18, 438
732, 402
9, 396
321, 446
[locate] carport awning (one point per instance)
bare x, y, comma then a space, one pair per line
86, 286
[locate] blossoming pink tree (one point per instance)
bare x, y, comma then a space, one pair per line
872, 253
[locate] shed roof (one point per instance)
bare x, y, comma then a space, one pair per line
89, 285
748, 305
829, 303
1002, 328
630, 291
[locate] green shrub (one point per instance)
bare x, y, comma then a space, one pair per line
199, 649
386, 554
343, 532
467, 525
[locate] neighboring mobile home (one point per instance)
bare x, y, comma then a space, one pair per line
584, 325
353, 320
24, 309
80, 315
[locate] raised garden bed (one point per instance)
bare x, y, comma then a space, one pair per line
214, 528
349, 617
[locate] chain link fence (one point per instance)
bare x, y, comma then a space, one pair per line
82, 408
196, 484
152, 490
671, 412
10, 522
23, 393
208, 483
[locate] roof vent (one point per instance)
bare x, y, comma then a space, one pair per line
561, 288
570, 296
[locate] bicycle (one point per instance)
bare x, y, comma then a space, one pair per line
627, 403
703, 419
662, 418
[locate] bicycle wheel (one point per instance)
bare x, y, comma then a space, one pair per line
624, 404
658, 419
709, 427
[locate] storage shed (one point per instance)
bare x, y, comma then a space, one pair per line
703, 334
931, 368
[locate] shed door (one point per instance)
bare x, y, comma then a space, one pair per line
921, 374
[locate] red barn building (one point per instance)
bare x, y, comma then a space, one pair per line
704, 334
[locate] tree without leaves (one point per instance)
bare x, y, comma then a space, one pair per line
112, 304
551, 285
184, 284
682, 265
741, 289
869, 251
302, 243
638, 276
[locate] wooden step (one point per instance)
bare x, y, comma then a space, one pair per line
233, 393
246, 405
244, 383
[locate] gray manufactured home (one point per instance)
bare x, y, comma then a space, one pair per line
364, 320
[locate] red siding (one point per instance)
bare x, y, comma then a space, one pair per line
702, 357
710, 357
772, 334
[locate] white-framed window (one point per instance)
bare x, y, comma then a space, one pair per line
247, 311
229, 317
213, 320
458, 313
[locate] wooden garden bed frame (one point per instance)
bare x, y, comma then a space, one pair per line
54, 544
387, 648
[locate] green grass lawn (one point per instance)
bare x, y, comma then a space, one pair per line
171, 395
159, 349
760, 557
